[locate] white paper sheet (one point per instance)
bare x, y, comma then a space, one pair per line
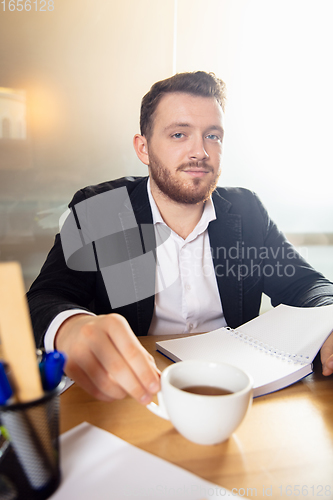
98, 465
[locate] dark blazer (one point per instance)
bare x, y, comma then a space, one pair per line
250, 256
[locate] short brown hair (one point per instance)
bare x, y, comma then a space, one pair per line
197, 83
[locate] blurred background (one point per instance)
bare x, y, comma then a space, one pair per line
72, 75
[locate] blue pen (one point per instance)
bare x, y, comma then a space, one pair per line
52, 369
6, 391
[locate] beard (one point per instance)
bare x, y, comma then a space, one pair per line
192, 191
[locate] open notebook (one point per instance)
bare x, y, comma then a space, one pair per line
276, 348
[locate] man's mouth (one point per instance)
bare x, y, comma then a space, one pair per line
196, 171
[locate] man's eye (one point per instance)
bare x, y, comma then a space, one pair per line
178, 135
213, 137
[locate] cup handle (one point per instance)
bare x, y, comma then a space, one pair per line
159, 409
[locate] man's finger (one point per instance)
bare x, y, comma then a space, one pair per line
326, 356
83, 380
328, 366
135, 355
119, 370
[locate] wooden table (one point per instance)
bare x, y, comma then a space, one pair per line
283, 448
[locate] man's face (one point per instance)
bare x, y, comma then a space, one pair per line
185, 148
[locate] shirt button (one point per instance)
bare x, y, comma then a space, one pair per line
188, 287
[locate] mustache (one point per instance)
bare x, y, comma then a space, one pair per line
195, 165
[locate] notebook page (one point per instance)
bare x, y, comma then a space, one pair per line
297, 330
221, 346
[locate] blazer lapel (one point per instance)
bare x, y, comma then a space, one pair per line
225, 234
142, 311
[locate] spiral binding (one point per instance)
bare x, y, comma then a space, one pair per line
268, 349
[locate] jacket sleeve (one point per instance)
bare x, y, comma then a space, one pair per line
58, 288
288, 277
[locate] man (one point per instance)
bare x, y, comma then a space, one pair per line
223, 252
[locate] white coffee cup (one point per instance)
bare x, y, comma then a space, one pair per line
204, 419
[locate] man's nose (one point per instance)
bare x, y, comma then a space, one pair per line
197, 149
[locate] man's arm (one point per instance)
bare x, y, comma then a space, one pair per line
294, 282
306, 287
103, 354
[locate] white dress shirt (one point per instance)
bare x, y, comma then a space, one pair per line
186, 294
187, 299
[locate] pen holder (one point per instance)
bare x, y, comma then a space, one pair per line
29, 456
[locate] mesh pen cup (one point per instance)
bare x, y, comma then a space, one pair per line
29, 453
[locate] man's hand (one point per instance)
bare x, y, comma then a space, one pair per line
106, 359
326, 356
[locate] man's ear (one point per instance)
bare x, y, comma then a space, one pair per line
141, 148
